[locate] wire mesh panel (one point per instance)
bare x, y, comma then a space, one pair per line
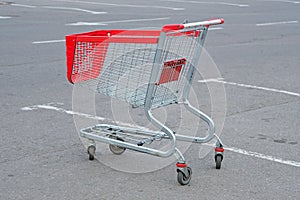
88, 60
178, 56
126, 72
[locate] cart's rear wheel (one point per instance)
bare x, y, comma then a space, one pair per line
91, 151
184, 179
115, 149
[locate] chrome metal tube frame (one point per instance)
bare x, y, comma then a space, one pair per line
127, 145
149, 97
204, 23
189, 107
204, 117
167, 131
193, 25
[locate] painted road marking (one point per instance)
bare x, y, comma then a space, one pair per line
76, 9
277, 23
50, 106
215, 28
220, 80
60, 8
22, 5
259, 155
122, 5
283, 1
208, 2
47, 41
263, 156
117, 21
5, 17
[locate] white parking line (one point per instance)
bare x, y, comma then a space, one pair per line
215, 28
263, 156
60, 8
259, 155
5, 17
76, 9
219, 80
209, 2
50, 106
283, 1
47, 41
22, 5
117, 21
122, 5
277, 23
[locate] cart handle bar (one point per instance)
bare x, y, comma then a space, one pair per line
207, 23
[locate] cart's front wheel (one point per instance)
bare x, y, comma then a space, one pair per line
218, 159
91, 151
115, 149
184, 179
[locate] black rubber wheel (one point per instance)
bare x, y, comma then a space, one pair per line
182, 179
218, 159
91, 151
115, 149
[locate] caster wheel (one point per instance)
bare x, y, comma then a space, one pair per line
116, 149
182, 178
218, 159
91, 151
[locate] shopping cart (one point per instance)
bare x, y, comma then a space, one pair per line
147, 69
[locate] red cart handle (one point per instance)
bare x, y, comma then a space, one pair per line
207, 23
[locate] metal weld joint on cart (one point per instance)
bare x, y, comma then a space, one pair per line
147, 69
